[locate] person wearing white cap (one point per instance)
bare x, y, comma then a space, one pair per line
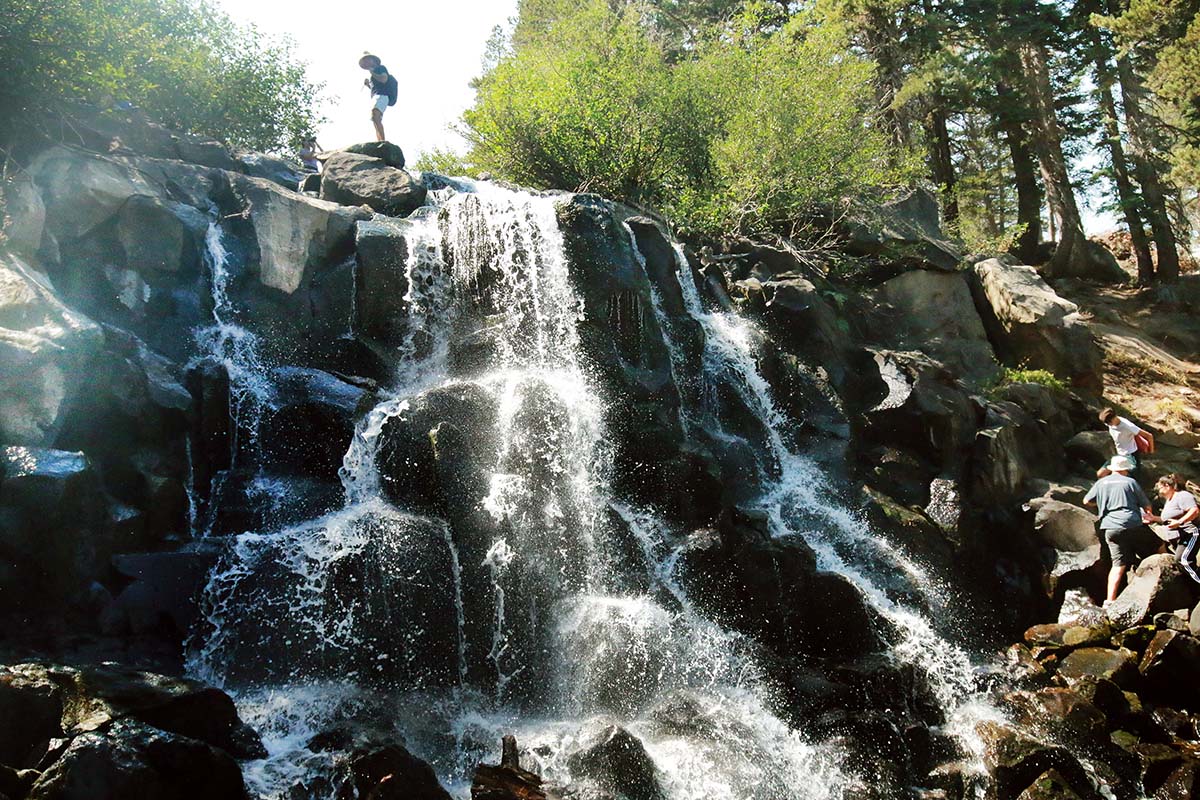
1120, 504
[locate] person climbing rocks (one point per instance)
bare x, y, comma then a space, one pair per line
1180, 513
384, 90
1120, 503
1130, 440
308, 154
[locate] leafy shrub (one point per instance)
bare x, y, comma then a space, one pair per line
1039, 376
749, 131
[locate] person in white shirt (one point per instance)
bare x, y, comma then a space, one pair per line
1126, 436
1180, 512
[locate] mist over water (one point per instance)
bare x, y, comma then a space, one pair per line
543, 604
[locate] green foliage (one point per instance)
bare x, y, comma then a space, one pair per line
1023, 375
755, 129
182, 61
445, 161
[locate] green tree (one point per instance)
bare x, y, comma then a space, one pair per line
183, 62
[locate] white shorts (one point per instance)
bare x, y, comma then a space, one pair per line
380, 101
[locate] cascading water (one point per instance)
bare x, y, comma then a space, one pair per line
452, 620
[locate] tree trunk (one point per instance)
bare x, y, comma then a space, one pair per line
1071, 257
1147, 173
941, 160
1125, 193
1029, 196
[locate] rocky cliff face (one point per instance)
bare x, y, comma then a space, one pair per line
491, 461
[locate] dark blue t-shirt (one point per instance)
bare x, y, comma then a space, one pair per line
390, 87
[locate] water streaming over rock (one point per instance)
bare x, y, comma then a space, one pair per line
485, 576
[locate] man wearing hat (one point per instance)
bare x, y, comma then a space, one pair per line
1120, 504
384, 90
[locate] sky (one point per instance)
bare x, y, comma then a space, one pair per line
433, 48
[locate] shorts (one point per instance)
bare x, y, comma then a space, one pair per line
380, 102
1129, 546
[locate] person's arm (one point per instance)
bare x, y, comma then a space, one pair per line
1149, 437
1090, 498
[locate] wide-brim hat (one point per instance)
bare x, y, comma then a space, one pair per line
1121, 464
369, 61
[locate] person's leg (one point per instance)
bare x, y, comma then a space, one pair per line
1186, 555
377, 121
1114, 580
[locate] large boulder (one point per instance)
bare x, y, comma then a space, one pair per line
165, 591
282, 171
390, 772
286, 268
615, 761
44, 350
1069, 540
310, 422
904, 230
1157, 584
54, 527
1015, 760
1011, 447
130, 759
386, 152
381, 278
24, 214
934, 313
1170, 659
921, 406
353, 179
1030, 325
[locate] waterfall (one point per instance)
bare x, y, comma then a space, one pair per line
457, 619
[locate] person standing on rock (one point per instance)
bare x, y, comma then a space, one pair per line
384, 90
1128, 438
1120, 503
1180, 512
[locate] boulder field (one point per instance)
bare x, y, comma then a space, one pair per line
154, 300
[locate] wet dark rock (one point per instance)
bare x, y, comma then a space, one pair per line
1015, 761
386, 152
391, 772
353, 179
310, 422
1118, 666
165, 589
1157, 584
1184, 781
616, 761
380, 278
922, 407
1155, 764
1062, 714
130, 759
54, 527
382, 570
1093, 448
508, 780
1028, 323
1170, 660
1023, 667
244, 500
1009, 447
28, 694
1050, 785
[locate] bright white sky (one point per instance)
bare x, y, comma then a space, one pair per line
434, 49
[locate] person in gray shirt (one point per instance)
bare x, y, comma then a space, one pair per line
1120, 505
